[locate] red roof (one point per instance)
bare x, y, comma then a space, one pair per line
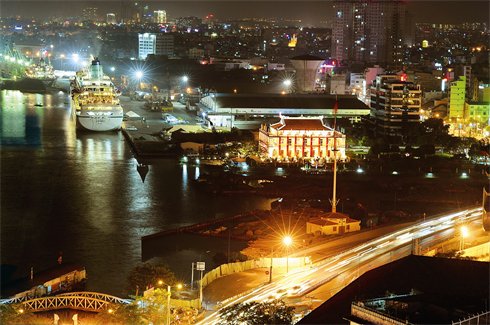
322, 222
308, 124
325, 219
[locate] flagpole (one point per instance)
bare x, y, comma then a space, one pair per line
334, 200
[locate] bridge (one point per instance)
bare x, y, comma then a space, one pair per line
87, 301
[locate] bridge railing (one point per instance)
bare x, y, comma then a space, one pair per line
59, 302
97, 295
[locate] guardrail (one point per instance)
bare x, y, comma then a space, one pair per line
469, 209
357, 310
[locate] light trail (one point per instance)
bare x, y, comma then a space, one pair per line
366, 256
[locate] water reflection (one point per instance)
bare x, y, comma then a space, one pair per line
82, 193
197, 172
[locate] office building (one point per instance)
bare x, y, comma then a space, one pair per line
395, 105
158, 44
126, 12
457, 99
90, 14
159, 17
111, 18
371, 31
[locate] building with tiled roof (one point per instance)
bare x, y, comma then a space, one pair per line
331, 223
301, 137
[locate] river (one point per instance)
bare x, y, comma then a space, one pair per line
79, 193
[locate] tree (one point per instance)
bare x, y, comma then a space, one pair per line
117, 314
154, 310
148, 274
220, 258
15, 314
269, 312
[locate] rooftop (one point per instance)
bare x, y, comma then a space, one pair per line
288, 101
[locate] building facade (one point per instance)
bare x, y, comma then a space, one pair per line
159, 17
111, 18
126, 13
158, 44
370, 31
395, 105
332, 223
457, 99
301, 137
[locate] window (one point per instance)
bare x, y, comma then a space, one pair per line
348, 227
334, 228
290, 141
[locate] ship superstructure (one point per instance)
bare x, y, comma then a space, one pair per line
95, 100
42, 71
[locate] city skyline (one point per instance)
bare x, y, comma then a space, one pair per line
309, 12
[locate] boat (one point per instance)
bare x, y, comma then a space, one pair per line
42, 71
95, 102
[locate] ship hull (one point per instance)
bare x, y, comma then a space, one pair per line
99, 123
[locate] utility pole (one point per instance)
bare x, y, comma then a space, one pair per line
192, 277
272, 260
229, 238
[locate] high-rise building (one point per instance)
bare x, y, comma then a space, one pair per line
188, 22
90, 14
395, 105
457, 99
158, 44
370, 30
159, 17
111, 18
126, 12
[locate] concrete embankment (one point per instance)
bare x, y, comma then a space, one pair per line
144, 132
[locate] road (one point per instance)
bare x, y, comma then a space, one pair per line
336, 272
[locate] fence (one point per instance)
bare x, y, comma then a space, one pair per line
196, 303
231, 268
479, 251
482, 318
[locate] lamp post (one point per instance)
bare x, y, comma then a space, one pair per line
62, 56
287, 241
179, 286
464, 233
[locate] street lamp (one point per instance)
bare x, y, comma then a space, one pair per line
464, 233
287, 241
185, 78
178, 286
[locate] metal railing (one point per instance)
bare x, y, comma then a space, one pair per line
357, 310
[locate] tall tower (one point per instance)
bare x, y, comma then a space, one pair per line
126, 12
369, 30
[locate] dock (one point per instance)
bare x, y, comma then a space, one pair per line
143, 129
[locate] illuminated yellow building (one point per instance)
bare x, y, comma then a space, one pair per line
300, 137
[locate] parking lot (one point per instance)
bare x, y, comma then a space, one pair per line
182, 116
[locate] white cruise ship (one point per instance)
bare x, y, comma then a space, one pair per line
94, 100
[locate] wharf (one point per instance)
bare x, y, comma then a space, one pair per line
145, 133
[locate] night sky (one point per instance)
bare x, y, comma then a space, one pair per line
310, 12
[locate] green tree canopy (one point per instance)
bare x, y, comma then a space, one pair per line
117, 314
16, 314
270, 312
148, 274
